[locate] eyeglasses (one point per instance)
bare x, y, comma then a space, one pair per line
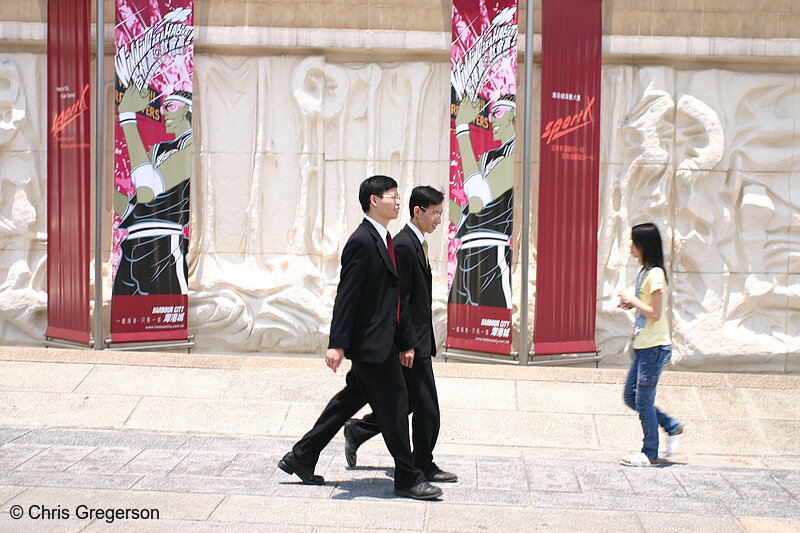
395, 197
434, 214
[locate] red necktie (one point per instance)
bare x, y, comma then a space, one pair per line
390, 247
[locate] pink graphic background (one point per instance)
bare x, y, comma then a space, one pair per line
133, 17
470, 19
133, 318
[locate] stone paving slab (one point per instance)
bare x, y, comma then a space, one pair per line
28, 376
62, 409
789, 480
204, 463
12, 455
765, 509
281, 386
552, 478
627, 502
105, 459
55, 458
655, 481
681, 523
248, 464
455, 393
179, 526
315, 512
782, 436
11, 434
759, 485
717, 403
99, 437
710, 485
769, 525
571, 398
499, 473
482, 518
204, 415
300, 417
518, 428
175, 505
221, 443
42, 526
154, 461
9, 493
68, 480
155, 381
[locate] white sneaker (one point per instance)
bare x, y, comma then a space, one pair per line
673, 441
637, 459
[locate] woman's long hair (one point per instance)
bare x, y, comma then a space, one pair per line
648, 240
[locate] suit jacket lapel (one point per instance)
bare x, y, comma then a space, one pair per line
423, 263
381, 247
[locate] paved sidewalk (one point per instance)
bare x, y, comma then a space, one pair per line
204, 480
198, 438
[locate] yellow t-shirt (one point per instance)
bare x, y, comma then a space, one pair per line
655, 332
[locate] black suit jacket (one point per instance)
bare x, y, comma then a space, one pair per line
416, 321
365, 308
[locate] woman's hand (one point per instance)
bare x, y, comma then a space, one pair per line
624, 300
651, 311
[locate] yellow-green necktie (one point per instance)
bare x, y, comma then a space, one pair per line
425, 251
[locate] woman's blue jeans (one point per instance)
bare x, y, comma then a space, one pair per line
640, 395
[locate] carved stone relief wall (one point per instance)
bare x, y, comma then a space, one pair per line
23, 226
710, 156
284, 141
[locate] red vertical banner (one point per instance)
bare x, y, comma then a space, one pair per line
566, 282
68, 170
482, 131
152, 166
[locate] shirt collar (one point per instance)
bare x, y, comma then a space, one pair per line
417, 232
382, 231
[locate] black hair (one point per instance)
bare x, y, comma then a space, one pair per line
648, 240
424, 197
376, 185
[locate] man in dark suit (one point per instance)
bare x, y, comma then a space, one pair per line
416, 335
366, 314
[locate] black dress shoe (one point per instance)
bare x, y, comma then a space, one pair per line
420, 491
350, 444
292, 465
440, 476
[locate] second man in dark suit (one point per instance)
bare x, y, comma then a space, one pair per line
366, 314
416, 338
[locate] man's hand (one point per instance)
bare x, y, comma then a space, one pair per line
407, 358
333, 358
468, 110
134, 100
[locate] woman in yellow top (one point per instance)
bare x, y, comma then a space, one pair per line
652, 346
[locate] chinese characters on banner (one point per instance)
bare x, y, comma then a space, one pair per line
152, 165
483, 113
569, 173
68, 170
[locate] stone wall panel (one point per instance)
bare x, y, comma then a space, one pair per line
23, 201
744, 103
